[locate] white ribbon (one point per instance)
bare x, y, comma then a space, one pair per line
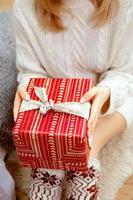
44, 105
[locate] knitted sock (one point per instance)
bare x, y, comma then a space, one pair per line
46, 184
84, 185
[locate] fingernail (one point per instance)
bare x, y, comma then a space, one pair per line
90, 140
15, 118
90, 123
27, 97
82, 100
90, 128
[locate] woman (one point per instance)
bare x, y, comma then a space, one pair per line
78, 38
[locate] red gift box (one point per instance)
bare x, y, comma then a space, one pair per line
56, 140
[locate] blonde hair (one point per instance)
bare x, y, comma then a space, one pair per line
49, 13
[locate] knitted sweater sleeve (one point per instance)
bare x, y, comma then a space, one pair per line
27, 62
119, 77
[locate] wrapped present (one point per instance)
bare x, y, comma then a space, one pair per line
51, 129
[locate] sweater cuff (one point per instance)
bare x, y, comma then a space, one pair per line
126, 109
113, 96
119, 101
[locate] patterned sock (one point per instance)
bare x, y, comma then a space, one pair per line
84, 185
46, 184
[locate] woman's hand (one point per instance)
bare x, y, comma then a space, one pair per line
20, 95
98, 96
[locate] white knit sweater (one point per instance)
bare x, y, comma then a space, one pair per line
80, 51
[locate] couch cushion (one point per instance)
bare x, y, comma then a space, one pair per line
7, 78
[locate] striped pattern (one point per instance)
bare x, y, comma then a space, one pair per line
55, 140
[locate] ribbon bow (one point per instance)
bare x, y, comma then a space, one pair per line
44, 105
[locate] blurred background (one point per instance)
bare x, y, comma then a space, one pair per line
126, 192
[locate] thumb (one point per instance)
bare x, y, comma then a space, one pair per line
23, 93
89, 95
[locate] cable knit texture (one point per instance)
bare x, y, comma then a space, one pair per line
81, 50
7, 79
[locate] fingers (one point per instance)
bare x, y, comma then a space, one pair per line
17, 103
23, 93
98, 96
95, 108
95, 111
91, 127
20, 95
89, 95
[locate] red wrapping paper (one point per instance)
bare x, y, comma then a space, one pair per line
55, 140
